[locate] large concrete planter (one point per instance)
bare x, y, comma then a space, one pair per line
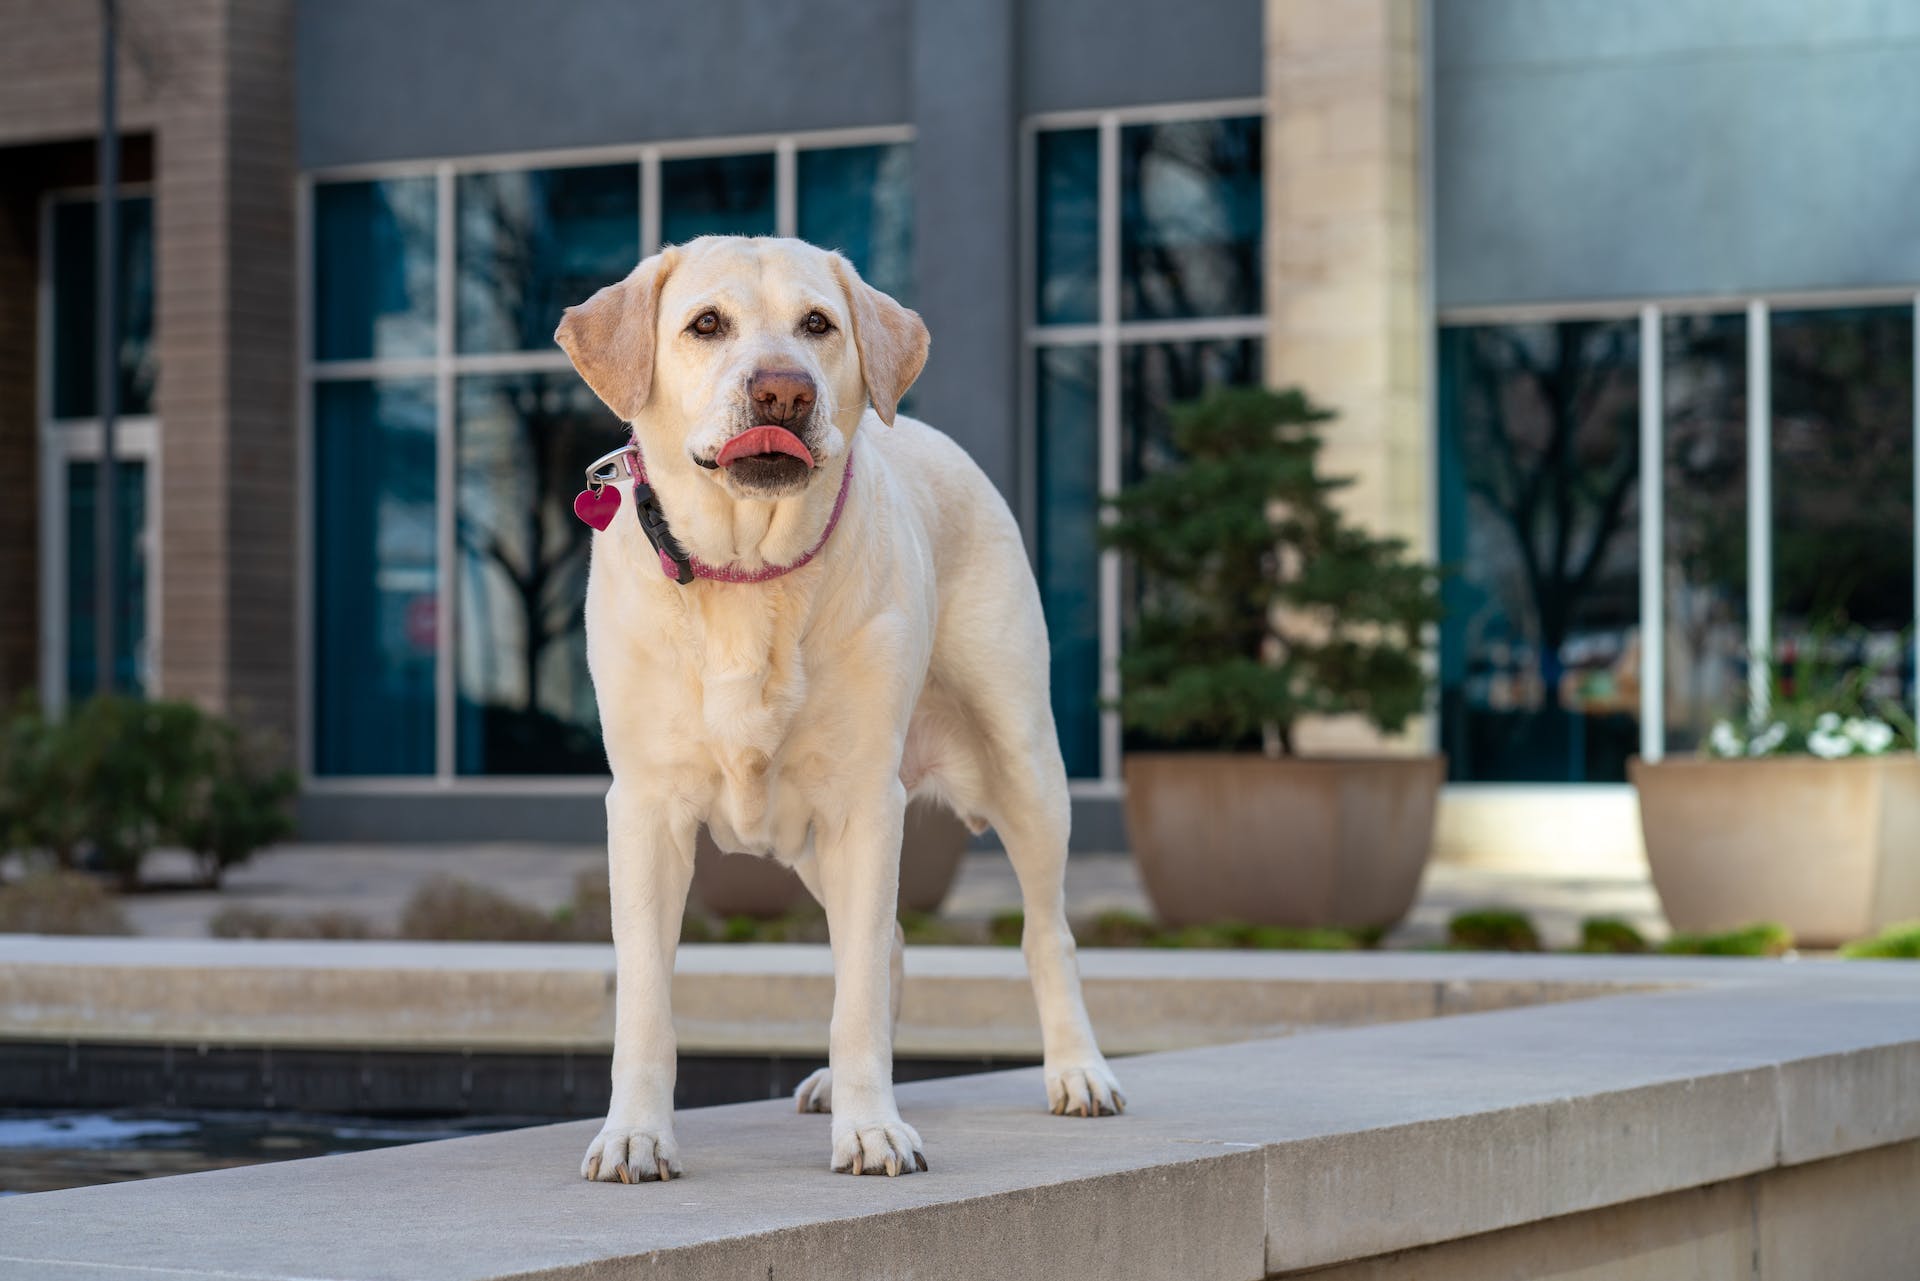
1304, 842
745, 885
1830, 849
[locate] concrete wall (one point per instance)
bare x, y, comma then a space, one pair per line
1593, 149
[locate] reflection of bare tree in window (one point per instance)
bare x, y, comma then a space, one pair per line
1548, 445
1191, 219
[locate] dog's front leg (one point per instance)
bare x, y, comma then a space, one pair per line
859, 864
650, 864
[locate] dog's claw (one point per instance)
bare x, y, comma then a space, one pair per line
623, 1172
920, 1161
1084, 1090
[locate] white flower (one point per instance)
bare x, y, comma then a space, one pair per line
1828, 721
1828, 745
1767, 739
1724, 740
1871, 736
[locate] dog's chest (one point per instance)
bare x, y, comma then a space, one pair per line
752, 685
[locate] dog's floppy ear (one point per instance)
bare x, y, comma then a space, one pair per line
609, 337
891, 339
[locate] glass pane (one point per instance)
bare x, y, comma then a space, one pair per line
859, 200
1705, 392
716, 196
130, 659
376, 588
1154, 376
373, 264
1843, 486
526, 700
1069, 571
1539, 487
532, 244
1190, 219
75, 280
1067, 227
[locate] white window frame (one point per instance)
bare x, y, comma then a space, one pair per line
1758, 310
63, 441
445, 367
1107, 335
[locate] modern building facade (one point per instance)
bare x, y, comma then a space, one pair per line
1616, 305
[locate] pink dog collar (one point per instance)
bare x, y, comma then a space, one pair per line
597, 505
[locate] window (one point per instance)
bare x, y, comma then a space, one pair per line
448, 433
1146, 291
71, 444
1541, 478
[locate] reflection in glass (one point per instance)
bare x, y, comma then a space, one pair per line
75, 289
1153, 377
859, 200
716, 196
373, 264
1843, 488
526, 700
131, 658
1704, 387
533, 243
1069, 552
375, 590
1539, 480
1067, 240
1190, 219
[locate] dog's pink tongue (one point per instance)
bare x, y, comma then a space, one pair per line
765, 439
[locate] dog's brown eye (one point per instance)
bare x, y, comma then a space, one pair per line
706, 324
816, 323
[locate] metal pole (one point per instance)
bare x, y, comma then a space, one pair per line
1653, 546
106, 597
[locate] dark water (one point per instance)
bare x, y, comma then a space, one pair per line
42, 1150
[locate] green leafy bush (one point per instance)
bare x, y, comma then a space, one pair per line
1493, 930
450, 910
118, 776
238, 921
1766, 938
1610, 934
60, 902
1896, 942
1260, 603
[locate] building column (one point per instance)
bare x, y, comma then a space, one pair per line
1346, 295
1346, 282
224, 241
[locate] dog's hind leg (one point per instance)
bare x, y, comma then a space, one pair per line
815, 1094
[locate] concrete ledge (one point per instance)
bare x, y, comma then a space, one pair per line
761, 998
1263, 1158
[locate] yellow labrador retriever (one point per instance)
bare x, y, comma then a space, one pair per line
801, 611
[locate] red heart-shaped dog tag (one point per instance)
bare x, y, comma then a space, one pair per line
597, 507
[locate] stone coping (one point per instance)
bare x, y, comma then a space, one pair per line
736, 998
1235, 1161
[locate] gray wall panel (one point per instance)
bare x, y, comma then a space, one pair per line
1590, 150
1077, 54
402, 79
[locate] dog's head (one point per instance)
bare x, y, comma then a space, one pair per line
753, 359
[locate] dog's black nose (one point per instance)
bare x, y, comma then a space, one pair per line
780, 394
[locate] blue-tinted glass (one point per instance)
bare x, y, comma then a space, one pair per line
1069, 568
1539, 501
1704, 391
533, 243
859, 200
1190, 219
373, 264
130, 666
1154, 377
75, 336
1843, 491
716, 196
1067, 227
376, 587
526, 699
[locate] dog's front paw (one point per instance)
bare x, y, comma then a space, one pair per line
623, 1153
879, 1146
1084, 1089
815, 1094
